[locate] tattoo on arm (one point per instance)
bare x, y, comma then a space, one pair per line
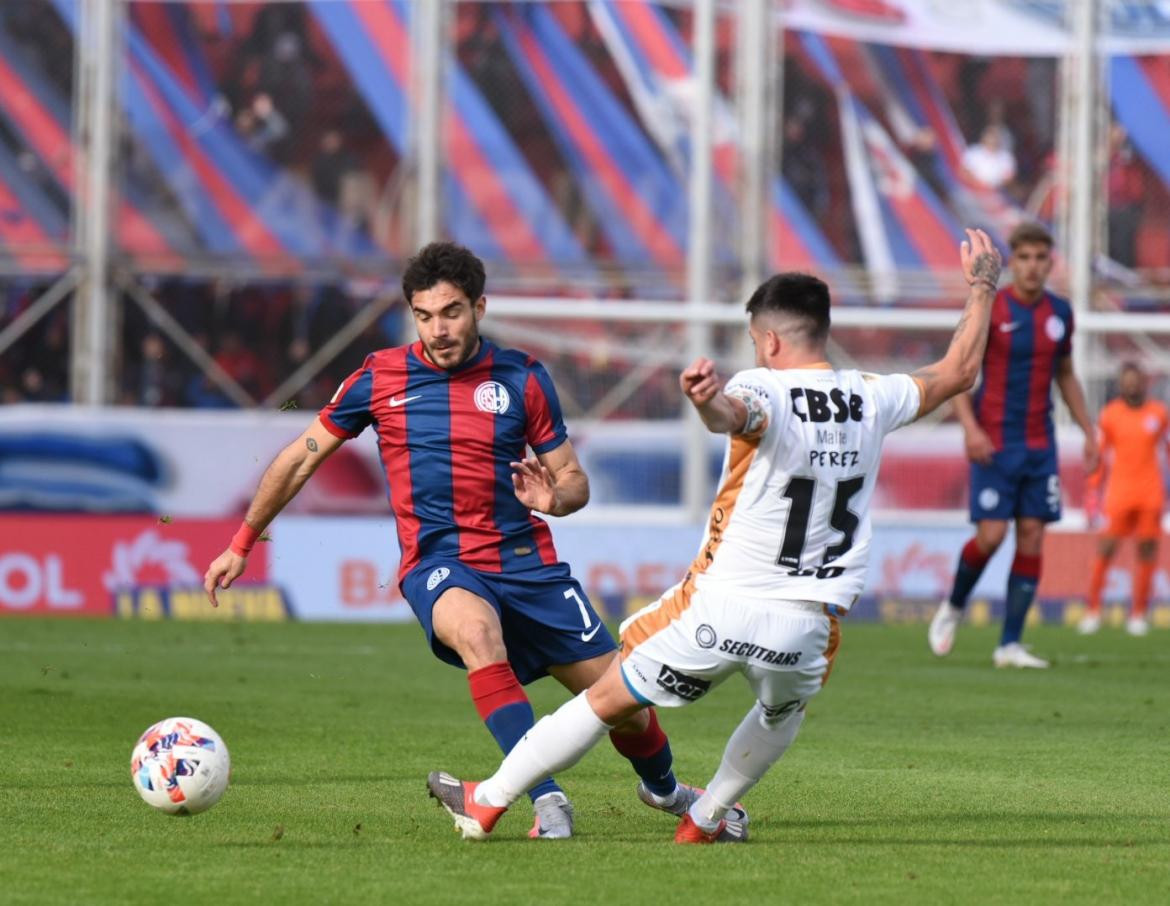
311, 444
986, 270
963, 319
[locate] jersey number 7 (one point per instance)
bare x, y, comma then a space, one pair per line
800, 492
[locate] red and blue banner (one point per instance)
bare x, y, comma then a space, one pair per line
493, 202
1140, 91
914, 97
902, 224
657, 67
636, 199
33, 111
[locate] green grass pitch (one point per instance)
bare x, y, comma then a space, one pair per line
913, 780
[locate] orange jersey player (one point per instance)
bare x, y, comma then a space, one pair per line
1131, 429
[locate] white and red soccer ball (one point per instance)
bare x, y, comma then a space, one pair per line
180, 766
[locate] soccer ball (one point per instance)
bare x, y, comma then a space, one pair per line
180, 766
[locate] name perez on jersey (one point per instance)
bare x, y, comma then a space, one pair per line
767, 655
842, 458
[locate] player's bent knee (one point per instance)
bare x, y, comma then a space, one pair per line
466, 623
772, 716
479, 641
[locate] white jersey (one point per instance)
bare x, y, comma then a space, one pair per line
791, 519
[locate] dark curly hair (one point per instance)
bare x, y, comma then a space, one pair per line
444, 261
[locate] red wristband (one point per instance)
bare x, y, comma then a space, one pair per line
243, 540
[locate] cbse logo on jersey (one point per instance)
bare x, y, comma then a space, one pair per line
436, 577
492, 396
824, 407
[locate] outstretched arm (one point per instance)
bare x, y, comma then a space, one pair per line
279, 484
957, 370
722, 414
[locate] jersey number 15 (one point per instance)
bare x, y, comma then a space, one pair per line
800, 492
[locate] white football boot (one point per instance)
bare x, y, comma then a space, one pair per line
553, 817
684, 797
1016, 655
1090, 624
941, 634
1137, 626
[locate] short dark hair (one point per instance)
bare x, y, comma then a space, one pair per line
444, 261
800, 295
1131, 365
1029, 233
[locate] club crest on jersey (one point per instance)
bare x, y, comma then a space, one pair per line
1054, 327
436, 577
1152, 424
989, 498
492, 396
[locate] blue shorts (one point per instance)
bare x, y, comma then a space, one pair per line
546, 617
1017, 482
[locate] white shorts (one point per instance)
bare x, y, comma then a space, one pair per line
677, 649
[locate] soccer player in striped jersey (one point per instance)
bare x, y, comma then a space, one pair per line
1011, 442
785, 552
454, 416
1132, 431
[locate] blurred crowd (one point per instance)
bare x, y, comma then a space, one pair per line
282, 88
259, 334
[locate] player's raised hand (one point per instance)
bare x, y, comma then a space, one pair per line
534, 485
699, 381
980, 259
224, 570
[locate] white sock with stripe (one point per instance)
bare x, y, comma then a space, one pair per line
753, 748
556, 742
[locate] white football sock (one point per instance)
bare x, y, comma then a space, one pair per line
557, 741
753, 748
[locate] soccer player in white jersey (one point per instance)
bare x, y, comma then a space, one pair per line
783, 556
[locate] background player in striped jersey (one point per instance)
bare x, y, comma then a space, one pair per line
1132, 429
454, 414
785, 552
1011, 442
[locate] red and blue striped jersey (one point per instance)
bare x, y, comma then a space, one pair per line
1024, 347
446, 438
